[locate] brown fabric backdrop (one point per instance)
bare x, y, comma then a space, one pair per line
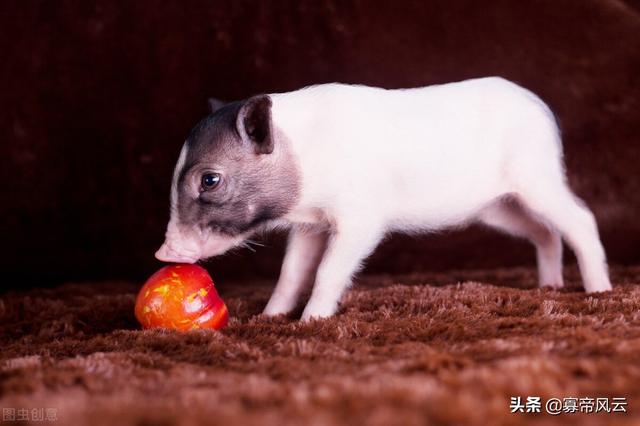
98, 96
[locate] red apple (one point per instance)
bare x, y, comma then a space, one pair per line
180, 297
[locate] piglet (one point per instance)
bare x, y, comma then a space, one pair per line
341, 166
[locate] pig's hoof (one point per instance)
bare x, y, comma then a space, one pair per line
273, 312
601, 288
552, 285
317, 312
278, 307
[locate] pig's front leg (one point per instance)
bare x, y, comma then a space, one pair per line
348, 246
304, 252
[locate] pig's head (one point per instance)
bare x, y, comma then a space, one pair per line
235, 174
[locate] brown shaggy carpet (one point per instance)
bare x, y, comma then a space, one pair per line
420, 349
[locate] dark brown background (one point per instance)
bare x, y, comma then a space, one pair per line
98, 96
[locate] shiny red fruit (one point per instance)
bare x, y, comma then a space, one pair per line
180, 297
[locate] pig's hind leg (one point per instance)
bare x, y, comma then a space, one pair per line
539, 181
508, 215
535, 172
557, 205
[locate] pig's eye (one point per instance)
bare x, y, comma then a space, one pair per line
210, 181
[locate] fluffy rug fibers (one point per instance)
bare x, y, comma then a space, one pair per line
441, 348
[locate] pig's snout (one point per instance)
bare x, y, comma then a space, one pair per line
180, 247
167, 253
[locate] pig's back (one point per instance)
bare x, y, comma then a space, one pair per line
430, 120
444, 140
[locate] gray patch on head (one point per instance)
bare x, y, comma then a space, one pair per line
256, 188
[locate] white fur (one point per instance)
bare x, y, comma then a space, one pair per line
373, 161
415, 160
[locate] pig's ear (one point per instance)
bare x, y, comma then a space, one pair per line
254, 123
215, 104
